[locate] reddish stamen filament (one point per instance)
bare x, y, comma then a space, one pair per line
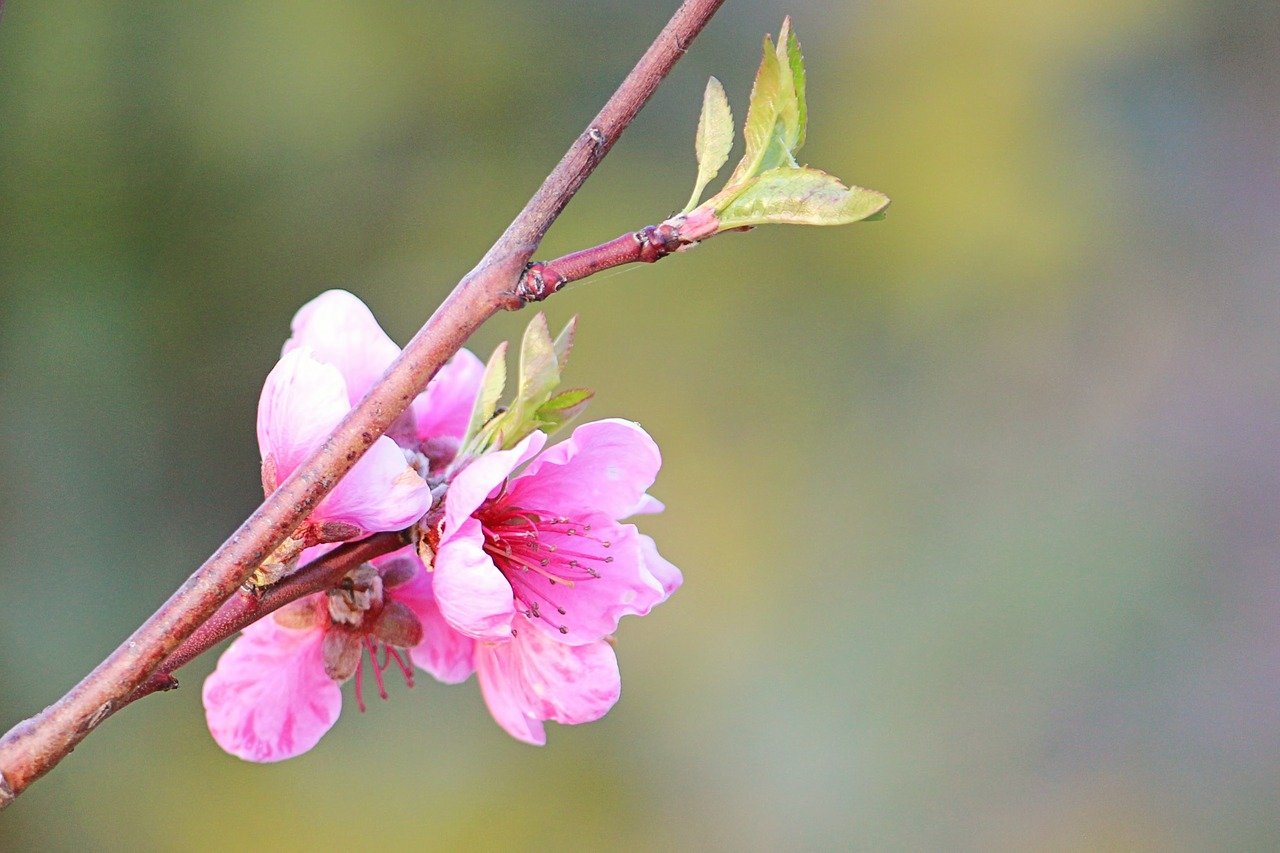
389, 654
515, 538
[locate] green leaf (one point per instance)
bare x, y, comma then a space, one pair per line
491, 387
558, 411
776, 116
714, 138
566, 400
760, 128
564, 342
790, 130
795, 61
539, 365
800, 196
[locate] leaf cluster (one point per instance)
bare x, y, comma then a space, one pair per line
537, 404
768, 185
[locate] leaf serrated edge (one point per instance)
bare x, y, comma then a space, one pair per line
713, 139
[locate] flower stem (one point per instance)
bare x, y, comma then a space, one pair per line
35, 746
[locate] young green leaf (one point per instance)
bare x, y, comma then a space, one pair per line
539, 366
776, 116
789, 130
491, 387
564, 342
558, 411
795, 62
800, 196
714, 138
760, 129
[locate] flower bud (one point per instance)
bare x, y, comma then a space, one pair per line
342, 651
397, 626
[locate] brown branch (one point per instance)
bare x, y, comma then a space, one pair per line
245, 607
33, 747
651, 243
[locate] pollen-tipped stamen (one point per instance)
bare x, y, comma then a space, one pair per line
515, 538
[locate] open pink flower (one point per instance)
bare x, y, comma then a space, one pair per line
526, 679
341, 331
276, 691
302, 401
543, 549
336, 353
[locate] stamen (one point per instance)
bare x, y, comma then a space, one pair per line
516, 538
360, 684
538, 567
404, 667
377, 670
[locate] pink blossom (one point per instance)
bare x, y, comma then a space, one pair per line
335, 355
341, 331
302, 401
533, 677
544, 548
276, 691
525, 680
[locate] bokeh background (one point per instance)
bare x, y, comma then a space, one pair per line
977, 506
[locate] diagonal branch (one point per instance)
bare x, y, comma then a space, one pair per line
540, 280
35, 746
244, 607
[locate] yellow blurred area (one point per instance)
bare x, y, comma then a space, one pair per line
976, 505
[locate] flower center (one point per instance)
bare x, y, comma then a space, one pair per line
358, 593
431, 457
364, 621
542, 555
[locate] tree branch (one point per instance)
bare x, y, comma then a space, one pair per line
540, 279
245, 607
34, 746
650, 244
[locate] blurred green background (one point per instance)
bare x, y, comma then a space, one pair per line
977, 506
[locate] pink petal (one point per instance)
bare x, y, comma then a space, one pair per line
444, 409
482, 475
380, 493
593, 606
664, 573
445, 653
497, 673
604, 467
302, 401
471, 592
533, 678
341, 331
649, 505
269, 698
